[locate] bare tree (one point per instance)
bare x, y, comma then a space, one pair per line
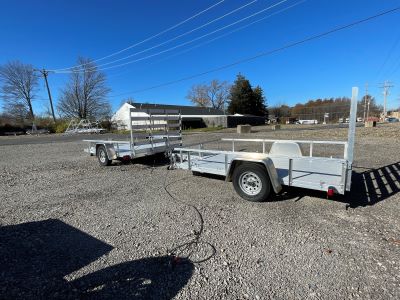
85, 95
280, 112
213, 95
19, 83
129, 100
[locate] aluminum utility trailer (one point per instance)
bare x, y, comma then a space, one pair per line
254, 174
152, 131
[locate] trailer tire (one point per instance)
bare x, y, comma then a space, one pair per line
251, 182
102, 156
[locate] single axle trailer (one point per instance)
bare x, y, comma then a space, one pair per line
152, 131
254, 174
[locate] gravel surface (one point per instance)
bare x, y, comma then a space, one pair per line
72, 229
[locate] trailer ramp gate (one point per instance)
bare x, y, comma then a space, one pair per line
152, 131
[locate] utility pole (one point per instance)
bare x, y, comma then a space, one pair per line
386, 86
326, 115
399, 105
365, 100
45, 73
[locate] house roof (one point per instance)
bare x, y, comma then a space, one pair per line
185, 110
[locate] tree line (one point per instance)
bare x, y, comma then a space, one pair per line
328, 109
85, 96
240, 97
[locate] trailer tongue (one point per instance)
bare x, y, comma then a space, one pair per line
253, 174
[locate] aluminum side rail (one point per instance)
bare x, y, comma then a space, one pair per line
106, 141
265, 141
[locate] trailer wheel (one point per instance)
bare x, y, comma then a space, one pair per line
102, 156
251, 182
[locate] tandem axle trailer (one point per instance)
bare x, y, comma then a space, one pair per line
254, 174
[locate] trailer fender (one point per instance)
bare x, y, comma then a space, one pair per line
266, 162
111, 153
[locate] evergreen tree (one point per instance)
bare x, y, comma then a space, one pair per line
246, 100
260, 103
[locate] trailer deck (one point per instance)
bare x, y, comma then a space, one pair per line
152, 131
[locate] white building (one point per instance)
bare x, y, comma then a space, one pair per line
121, 117
192, 116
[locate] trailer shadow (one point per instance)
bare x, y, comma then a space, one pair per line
35, 257
373, 185
369, 185
368, 188
156, 160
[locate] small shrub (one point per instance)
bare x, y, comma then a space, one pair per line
60, 126
106, 124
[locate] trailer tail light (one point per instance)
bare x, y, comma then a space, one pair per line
331, 192
126, 158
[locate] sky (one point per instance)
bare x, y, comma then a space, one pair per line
53, 34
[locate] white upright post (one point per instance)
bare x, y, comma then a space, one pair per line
352, 125
130, 128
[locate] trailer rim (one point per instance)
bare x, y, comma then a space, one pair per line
102, 156
250, 183
265, 187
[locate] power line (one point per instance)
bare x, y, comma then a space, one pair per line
388, 57
195, 39
181, 35
179, 45
396, 68
151, 37
233, 31
218, 37
262, 54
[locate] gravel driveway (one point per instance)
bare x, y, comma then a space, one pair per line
72, 229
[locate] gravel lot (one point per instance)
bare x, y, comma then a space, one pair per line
73, 229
